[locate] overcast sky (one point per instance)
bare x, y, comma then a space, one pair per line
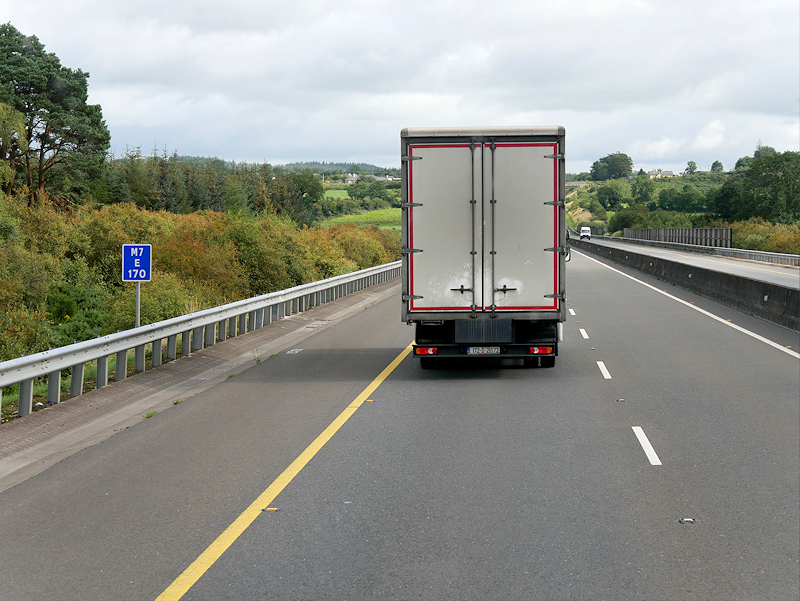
303, 80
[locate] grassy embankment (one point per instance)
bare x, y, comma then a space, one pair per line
385, 219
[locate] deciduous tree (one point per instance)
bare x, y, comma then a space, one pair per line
643, 189
612, 166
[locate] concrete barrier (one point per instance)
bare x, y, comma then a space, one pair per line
776, 304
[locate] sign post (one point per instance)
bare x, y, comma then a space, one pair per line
137, 260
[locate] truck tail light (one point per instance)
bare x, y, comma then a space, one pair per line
541, 350
426, 350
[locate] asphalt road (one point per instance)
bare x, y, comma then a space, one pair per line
479, 481
783, 275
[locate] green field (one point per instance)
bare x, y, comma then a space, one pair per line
337, 194
384, 218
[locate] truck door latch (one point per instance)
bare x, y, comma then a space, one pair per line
408, 251
462, 290
504, 289
556, 249
559, 156
408, 297
408, 158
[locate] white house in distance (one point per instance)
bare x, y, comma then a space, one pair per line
657, 173
351, 178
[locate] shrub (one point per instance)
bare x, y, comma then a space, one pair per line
163, 297
761, 235
25, 332
329, 258
362, 245
196, 252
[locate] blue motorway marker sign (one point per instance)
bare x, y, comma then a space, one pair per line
136, 262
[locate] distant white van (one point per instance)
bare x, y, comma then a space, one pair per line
586, 232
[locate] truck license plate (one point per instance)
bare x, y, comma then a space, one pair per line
483, 350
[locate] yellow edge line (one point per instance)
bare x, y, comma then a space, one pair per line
199, 566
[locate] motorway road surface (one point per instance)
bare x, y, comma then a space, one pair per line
783, 275
479, 481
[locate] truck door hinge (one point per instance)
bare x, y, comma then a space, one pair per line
408, 158
556, 249
556, 203
559, 296
559, 156
408, 297
408, 251
406, 205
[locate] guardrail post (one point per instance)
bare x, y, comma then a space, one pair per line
76, 381
186, 343
232, 327
121, 371
25, 405
138, 359
155, 357
259, 319
102, 371
223, 330
243, 323
172, 347
211, 334
197, 339
251, 321
53, 387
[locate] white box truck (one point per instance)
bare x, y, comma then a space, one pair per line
484, 242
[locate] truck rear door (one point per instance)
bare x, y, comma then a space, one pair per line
482, 226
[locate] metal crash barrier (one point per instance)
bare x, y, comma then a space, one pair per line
197, 330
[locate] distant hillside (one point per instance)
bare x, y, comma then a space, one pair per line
313, 166
323, 167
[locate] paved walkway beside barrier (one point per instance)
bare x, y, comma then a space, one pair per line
31, 444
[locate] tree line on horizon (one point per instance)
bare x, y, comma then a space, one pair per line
766, 186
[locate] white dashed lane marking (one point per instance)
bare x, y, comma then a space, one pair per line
648, 448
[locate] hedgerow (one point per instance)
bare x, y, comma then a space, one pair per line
60, 272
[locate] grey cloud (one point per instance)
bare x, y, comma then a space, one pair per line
325, 80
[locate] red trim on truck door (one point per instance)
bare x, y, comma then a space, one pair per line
411, 306
554, 147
